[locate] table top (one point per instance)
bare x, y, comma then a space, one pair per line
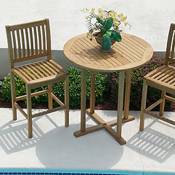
130, 53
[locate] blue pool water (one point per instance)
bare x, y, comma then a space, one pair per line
26, 171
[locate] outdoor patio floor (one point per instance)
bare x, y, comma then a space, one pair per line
54, 146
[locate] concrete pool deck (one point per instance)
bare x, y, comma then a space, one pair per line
54, 146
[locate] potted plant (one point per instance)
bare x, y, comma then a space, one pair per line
105, 26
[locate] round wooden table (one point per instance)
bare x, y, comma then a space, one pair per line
126, 55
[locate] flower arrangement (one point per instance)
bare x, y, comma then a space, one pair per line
105, 26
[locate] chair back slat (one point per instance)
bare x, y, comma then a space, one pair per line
29, 41
19, 43
23, 43
44, 37
39, 38
14, 44
169, 57
36, 41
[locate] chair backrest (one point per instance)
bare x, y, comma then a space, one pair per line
170, 55
28, 41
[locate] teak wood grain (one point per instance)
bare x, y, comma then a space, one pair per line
30, 42
162, 78
124, 56
128, 54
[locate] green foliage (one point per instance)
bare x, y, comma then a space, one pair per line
99, 20
106, 42
106, 25
109, 35
106, 88
6, 89
115, 36
74, 89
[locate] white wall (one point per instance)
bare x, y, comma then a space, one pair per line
150, 19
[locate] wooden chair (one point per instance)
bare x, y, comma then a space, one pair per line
162, 78
30, 42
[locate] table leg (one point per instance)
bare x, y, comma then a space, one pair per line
120, 107
83, 101
101, 124
127, 94
126, 117
92, 94
82, 130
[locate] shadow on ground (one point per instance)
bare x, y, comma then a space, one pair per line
13, 136
153, 144
59, 148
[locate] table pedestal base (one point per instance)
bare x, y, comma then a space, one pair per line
102, 124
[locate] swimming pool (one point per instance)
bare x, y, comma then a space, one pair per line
43, 171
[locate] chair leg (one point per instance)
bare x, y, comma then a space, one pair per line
162, 105
29, 111
66, 101
50, 100
13, 96
143, 104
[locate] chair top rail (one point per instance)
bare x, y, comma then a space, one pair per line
27, 25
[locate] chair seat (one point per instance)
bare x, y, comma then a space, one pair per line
39, 72
162, 78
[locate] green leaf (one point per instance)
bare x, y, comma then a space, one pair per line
108, 23
116, 36
100, 21
108, 33
106, 42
